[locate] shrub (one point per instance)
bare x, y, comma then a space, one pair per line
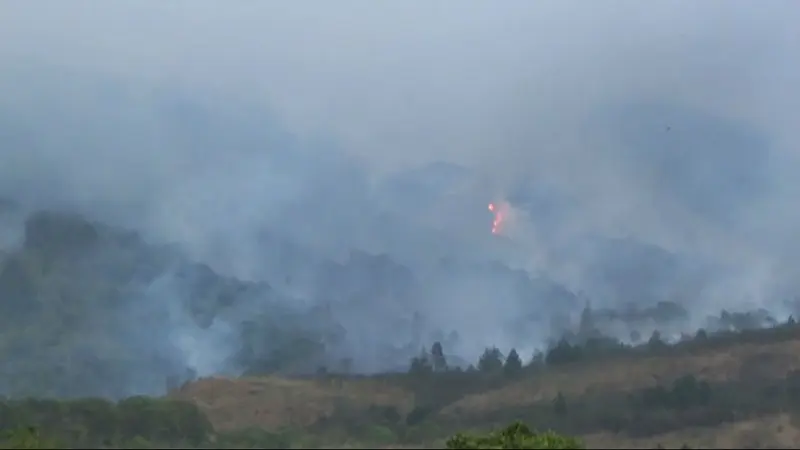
516, 435
27, 438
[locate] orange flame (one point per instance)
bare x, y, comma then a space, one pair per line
498, 218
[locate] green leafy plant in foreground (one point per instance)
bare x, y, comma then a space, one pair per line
516, 435
26, 438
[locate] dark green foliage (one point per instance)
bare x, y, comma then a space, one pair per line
701, 334
438, 360
421, 365
515, 436
253, 438
538, 359
419, 414
685, 392
385, 414
491, 360
26, 438
162, 420
655, 343
94, 423
513, 364
560, 404
603, 345
564, 352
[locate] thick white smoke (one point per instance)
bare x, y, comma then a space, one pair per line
642, 151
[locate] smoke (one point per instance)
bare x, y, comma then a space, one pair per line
644, 153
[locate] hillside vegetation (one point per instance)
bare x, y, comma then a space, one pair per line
93, 317
701, 392
738, 390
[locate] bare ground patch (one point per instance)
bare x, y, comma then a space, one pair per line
273, 402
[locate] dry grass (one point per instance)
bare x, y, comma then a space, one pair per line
779, 431
273, 402
773, 360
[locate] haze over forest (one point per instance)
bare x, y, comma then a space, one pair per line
195, 188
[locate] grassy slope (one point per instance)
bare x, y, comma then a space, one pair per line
275, 403
722, 364
774, 431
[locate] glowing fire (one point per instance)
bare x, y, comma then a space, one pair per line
498, 218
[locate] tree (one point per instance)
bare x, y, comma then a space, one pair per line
655, 342
421, 364
513, 365
28, 438
688, 391
516, 435
586, 327
491, 360
438, 361
560, 404
701, 335
564, 352
538, 359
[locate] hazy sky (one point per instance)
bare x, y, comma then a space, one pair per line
497, 83
674, 122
